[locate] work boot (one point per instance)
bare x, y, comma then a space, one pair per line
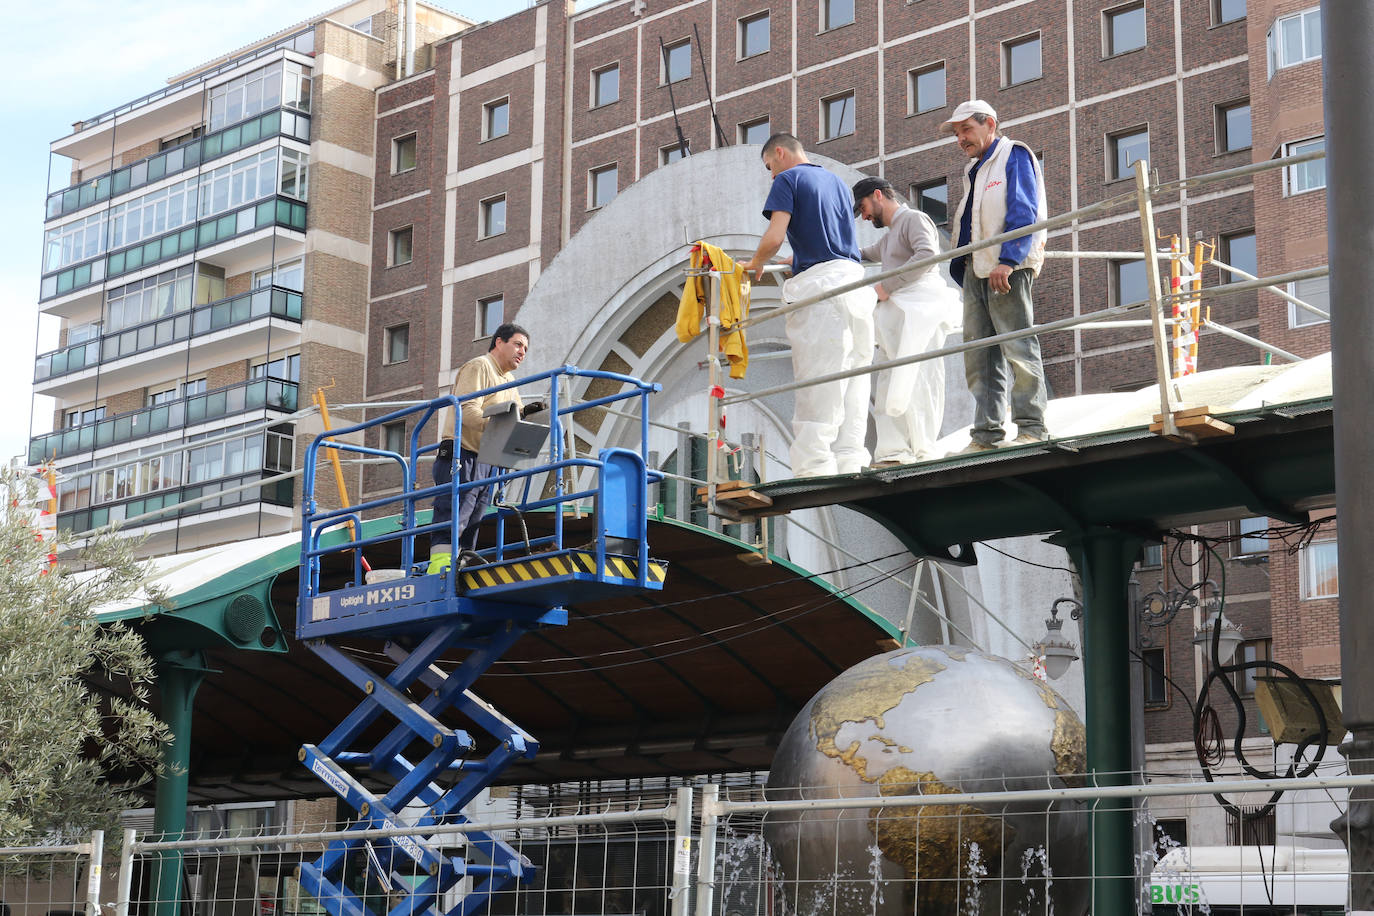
438, 559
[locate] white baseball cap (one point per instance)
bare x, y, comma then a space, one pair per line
967, 110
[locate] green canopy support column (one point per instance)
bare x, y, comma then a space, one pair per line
179, 674
1105, 557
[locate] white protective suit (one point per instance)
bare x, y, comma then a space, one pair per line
909, 401
830, 421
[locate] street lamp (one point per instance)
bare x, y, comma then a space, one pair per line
1228, 641
1159, 607
1057, 651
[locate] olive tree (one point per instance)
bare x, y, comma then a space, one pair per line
71, 753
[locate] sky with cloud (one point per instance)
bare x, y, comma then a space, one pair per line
97, 56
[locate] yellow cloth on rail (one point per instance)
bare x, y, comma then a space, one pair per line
734, 304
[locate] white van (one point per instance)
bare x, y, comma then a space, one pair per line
1259, 880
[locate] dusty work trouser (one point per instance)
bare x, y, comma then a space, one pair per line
990, 371
830, 421
909, 401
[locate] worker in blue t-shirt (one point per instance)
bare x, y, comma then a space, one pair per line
814, 211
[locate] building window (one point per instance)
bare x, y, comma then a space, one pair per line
491, 312
1124, 149
496, 119
926, 88
1227, 11
295, 173
397, 344
1250, 825
1021, 60
1128, 282
1295, 39
677, 61
754, 37
394, 437
1233, 127
287, 275
605, 85
837, 116
1317, 570
403, 154
399, 246
671, 153
1316, 292
286, 367
932, 199
1123, 29
493, 216
835, 13
1238, 250
81, 417
1252, 650
602, 185
1309, 175
759, 131
282, 83
1151, 555
1249, 542
1171, 833
1153, 662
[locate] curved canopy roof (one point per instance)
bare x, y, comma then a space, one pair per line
701, 677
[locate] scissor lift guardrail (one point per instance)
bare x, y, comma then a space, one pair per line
481, 609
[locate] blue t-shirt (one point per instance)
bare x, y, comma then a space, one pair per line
822, 208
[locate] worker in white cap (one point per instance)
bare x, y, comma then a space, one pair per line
915, 311
1004, 190
813, 210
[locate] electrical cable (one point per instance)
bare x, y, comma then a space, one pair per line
776, 618
672, 103
1024, 560
734, 593
1208, 736
817, 605
706, 79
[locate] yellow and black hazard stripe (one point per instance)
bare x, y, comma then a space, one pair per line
559, 565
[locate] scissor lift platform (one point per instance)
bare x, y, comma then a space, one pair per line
562, 577
532, 590
436, 769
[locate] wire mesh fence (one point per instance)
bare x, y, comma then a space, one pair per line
739, 848
51, 878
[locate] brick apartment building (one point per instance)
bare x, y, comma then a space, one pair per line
437, 200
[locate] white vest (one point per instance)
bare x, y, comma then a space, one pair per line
989, 194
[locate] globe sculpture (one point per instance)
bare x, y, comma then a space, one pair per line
929, 721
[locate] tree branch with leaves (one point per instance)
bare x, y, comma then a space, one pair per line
67, 748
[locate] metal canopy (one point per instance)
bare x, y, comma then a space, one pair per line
701, 677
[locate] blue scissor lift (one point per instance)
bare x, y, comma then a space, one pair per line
480, 609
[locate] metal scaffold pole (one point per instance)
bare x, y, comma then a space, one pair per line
1157, 317
1348, 86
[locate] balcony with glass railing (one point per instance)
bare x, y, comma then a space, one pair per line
275, 493
273, 301
281, 122
284, 212
301, 41
241, 397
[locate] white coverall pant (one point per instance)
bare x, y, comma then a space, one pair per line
909, 401
830, 421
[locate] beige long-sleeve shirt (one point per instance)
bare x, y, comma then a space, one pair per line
478, 373
912, 236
